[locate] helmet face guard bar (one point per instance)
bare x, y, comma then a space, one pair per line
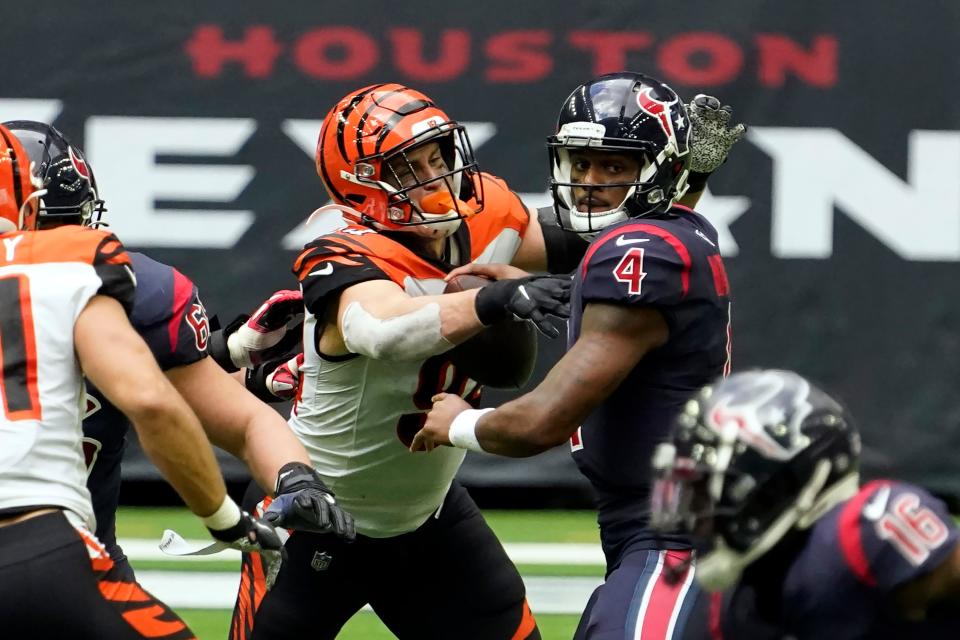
88, 214
458, 156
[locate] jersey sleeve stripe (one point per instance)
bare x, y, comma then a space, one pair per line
654, 230
849, 536
182, 292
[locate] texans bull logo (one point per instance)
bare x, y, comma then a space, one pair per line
79, 164
659, 110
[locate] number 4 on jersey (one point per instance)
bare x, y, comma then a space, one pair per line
630, 270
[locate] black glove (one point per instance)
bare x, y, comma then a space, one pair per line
526, 298
304, 503
249, 534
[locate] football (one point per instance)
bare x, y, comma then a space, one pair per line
501, 356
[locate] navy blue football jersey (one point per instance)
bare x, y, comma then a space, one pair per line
673, 264
841, 584
168, 315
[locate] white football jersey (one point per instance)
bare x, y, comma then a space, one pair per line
355, 415
46, 280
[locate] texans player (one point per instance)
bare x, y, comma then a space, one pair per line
64, 298
168, 315
762, 471
649, 325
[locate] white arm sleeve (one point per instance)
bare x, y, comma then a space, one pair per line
411, 336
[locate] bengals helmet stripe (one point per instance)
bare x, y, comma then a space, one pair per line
18, 186
342, 118
375, 104
411, 107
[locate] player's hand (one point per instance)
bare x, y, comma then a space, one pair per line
271, 332
492, 271
436, 430
528, 298
251, 535
711, 138
305, 503
284, 381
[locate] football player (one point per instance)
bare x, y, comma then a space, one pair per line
375, 333
64, 298
761, 469
168, 315
649, 325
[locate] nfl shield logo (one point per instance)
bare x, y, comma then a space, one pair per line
321, 560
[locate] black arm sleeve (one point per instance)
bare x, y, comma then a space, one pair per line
564, 248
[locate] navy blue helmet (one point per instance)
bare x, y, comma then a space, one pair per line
751, 459
626, 113
71, 190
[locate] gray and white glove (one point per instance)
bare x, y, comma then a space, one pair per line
711, 137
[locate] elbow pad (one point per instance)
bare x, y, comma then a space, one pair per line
564, 248
412, 336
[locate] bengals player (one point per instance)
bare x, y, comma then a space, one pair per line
375, 333
64, 298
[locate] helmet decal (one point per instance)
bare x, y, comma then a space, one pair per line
659, 109
79, 164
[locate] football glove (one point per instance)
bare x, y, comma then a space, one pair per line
526, 298
710, 139
275, 380
271, 332
304, 503
251, 535
284, 381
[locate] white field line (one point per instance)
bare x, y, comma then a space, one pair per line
218, 590
520, 552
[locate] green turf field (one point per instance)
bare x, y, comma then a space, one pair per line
511, 527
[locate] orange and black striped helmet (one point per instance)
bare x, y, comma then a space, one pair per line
365, 138
19, 188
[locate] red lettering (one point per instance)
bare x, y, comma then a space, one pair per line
723, 59
519, 56
209, 51
779, 56
314, 53
720, 282
450, 62
609, 48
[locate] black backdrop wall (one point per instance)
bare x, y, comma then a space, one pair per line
839, 215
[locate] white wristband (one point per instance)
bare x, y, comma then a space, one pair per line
225, 517
463, 429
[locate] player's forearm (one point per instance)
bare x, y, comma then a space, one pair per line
269, 444
521, 428
174, 441
238, 422
457, 312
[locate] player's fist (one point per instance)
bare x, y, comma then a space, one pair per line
272, 331
711, 138
526, 298
284, 381
305, 503
251, 535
